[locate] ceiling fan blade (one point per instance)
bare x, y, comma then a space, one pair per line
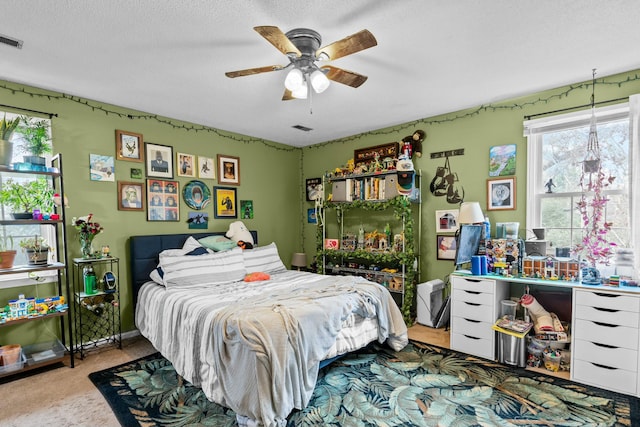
252, 71
277, 38
287, 95
351, 44
345, 77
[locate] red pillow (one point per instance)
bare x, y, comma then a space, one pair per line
257, 276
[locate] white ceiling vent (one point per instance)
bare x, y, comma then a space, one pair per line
10, 41
302, 128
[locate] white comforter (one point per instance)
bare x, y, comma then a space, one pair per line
255, 347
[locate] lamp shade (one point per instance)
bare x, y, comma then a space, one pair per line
470, 213
301, 92
319, 81
299, 260
294, 80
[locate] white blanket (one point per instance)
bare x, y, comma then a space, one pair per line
255, 347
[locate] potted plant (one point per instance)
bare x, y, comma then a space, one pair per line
7, 127
7, 253
37, 250
24, 197
34, 135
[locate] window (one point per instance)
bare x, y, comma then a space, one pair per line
556, 148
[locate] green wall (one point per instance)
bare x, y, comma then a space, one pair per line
475, 130
81, 129
272, 175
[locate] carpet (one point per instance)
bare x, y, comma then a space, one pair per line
422, 385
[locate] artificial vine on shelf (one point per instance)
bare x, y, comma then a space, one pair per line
402, 210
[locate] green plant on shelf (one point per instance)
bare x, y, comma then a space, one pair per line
27, 196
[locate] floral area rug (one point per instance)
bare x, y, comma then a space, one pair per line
422, 385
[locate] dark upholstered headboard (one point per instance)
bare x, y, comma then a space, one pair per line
144, 252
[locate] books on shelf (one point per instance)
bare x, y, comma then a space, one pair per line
515, 327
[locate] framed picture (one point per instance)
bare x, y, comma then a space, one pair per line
205, 168
196, 195
314, 189
198, 220
129, 146
446, 247
501, 194
101, 168
246, 209
130, 196
364, 156
159, 160
226, 204
136, 173
311, 216
228, 170
447, 221
502, 160
163, 200
186, 164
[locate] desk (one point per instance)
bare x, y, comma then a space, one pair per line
605, 326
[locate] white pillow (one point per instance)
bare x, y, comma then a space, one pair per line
263, 259
202, 270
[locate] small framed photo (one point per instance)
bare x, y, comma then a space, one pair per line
226, 203
130, 196
447, 221
246, 209
136, 173
206, 168
228, 170
129, 146
314, 189
501, 194
163, 200
101, 168
186, 164
312, 216
198, 220
446, 247
159, 160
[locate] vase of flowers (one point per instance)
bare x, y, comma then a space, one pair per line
87, 230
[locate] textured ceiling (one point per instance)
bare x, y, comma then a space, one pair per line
169, 57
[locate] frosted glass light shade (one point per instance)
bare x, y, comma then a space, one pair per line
301, 92
294, 80
470, 213
319, 81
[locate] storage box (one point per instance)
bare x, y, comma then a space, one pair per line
43, 352
19, 364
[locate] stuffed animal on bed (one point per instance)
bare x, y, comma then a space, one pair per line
239, 232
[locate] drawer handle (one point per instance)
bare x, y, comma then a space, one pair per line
473, 292
608, 310
472, 303
473, 280
603, 345
471, 320
608, 325
473, 338
606, 295
604, 366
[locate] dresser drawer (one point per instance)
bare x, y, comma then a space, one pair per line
613, 357
477, 346
607, 315
609, 300
613, 379
473, 311
472, 328
474, 297
470, 284
601, 333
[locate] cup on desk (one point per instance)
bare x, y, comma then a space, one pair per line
478, 265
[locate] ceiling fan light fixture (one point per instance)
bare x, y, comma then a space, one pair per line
319, 81
301, 92
294, 80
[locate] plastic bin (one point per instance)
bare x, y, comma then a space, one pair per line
43, 352
429, 301
511, 350
16, 366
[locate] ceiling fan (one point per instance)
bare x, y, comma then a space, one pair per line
302, 47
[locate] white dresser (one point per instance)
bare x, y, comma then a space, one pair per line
606, 333
475, 306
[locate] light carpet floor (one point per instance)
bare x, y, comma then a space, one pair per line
64, 396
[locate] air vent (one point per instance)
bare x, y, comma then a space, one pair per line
10, 41
302, 128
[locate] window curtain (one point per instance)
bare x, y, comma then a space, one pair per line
634, 167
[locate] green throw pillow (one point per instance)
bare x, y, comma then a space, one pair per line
217, 243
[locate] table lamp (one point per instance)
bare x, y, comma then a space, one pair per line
299, 260
470, 213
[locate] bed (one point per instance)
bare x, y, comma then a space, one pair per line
252, 346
